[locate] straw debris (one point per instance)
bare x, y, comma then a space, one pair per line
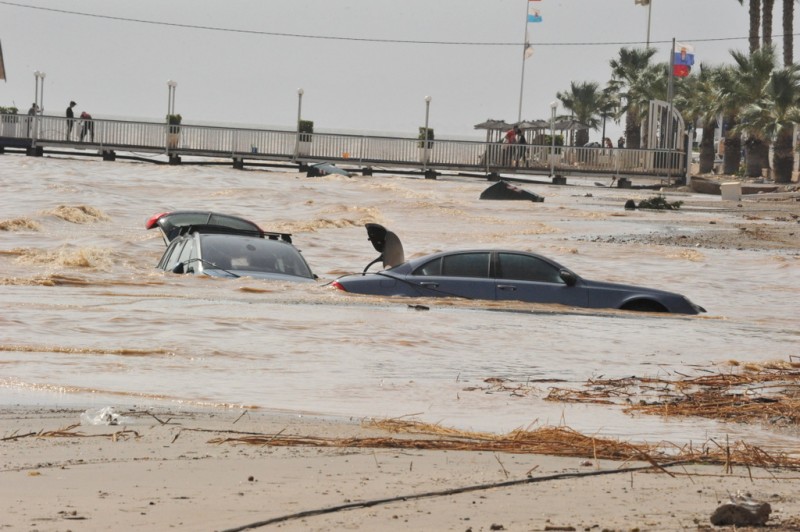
745, 393
554, 441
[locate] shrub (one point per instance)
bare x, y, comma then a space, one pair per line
422, 139
305, 128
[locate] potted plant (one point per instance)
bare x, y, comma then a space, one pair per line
305, 130
425, 143
173, 130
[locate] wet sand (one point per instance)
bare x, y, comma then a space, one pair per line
160, 470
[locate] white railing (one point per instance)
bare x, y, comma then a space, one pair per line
242, 143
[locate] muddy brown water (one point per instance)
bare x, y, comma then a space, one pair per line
88, 321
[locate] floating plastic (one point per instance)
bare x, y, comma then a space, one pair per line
104, 416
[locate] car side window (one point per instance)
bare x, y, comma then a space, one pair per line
432, 267
466, 265
527, 268
187, 253
170, 258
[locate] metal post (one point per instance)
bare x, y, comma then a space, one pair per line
36, 89
171, 85
39, 102
670, 90
300, 93
649, 18
41, 93
553, 107
425, 136
524, 52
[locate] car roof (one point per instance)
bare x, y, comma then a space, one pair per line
416, 261
175, 223
480, 250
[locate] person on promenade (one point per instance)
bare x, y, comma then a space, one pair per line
88, 126
510, 150
621, 142
522, 148
31, 113
70, 118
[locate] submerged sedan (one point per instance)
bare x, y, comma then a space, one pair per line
221, 245
499, 275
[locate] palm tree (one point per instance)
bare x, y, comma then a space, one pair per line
626, 72
755, 22
773, 115
740, 85
696, 99
609, 107
766, 22
788, 60
788, 29
584, 100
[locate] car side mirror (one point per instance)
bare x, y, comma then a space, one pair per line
568, 277
179, 268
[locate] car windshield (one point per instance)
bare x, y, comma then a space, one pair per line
232, 252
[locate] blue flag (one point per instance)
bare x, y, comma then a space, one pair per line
534, 14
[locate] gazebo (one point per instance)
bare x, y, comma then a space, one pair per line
494, 129
570, 126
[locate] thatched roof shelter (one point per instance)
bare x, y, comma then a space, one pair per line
494, 128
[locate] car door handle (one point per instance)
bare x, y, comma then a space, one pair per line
508, 287
429, 284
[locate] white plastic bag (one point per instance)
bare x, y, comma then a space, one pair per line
104, 416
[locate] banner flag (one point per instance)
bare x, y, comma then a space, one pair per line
684, 54
534, 14
681, 71
2, 65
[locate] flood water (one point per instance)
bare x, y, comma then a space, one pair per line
87, 320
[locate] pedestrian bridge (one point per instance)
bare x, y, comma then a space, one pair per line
38, 135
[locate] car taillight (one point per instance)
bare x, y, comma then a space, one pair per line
153, 220
337, 285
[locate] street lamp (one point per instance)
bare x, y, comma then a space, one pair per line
171, 96
38, 102
553, 107
38, 98
300, 93
425, 135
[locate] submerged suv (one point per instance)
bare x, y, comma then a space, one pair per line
222, 245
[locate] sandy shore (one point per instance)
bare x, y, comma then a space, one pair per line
160, 470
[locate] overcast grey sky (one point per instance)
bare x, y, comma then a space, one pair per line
119, 69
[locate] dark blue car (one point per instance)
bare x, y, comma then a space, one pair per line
497, 274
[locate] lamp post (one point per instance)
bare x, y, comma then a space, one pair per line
300, 93
425, 135
39, 97
649, 4
38, 101
553, 107
172, 130
171, 85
